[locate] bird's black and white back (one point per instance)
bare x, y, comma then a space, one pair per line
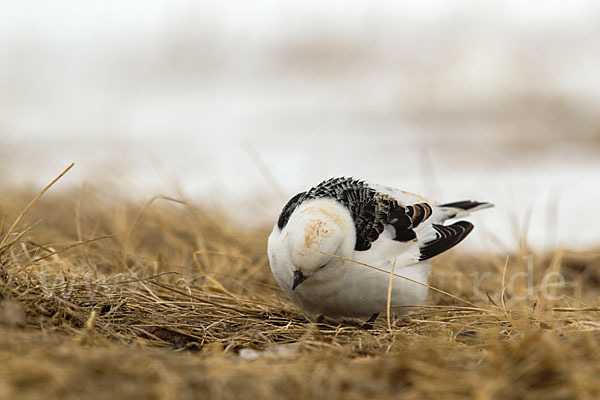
370, 224
374, 207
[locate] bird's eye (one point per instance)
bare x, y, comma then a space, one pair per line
322, 266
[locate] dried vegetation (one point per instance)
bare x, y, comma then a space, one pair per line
109, 298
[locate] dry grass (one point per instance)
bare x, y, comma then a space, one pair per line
105, 298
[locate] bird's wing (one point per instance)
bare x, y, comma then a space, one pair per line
375, 209
444, 238
432, 235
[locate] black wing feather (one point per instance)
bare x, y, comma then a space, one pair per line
448, 236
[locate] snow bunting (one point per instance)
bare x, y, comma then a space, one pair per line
324, 237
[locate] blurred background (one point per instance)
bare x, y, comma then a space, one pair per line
244, 104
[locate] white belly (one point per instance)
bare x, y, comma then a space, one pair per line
353, 290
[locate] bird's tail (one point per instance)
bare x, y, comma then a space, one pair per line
459, 209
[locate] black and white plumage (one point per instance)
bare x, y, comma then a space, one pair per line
342, 219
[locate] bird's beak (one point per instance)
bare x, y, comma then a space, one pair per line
298, 278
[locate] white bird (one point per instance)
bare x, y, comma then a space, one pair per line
324, 237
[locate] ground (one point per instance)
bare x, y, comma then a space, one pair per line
170, 299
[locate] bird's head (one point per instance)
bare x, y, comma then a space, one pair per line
318, 231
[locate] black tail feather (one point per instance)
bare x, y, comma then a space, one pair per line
463, 205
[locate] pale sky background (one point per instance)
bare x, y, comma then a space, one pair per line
493, 101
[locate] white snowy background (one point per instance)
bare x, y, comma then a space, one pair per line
248, 103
